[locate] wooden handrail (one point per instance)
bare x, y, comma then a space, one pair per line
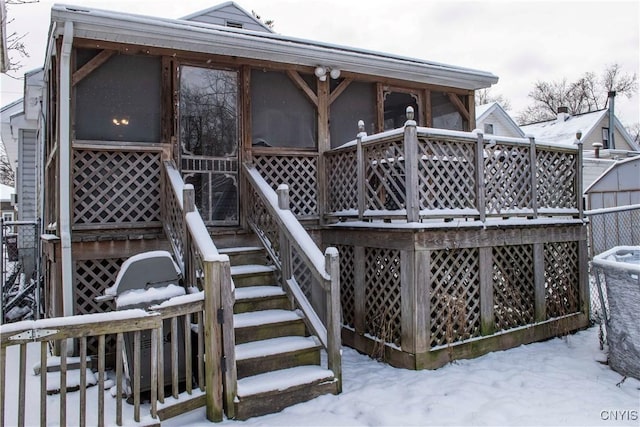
324, 268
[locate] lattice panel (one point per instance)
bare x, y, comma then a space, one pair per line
513, 286
299, 173
384, 176
115, 187
454, 296
347, 284
556, 179
342, 178
264, 225
173, 221
507, 174
92, 277
383, 303
561, 276
446, 174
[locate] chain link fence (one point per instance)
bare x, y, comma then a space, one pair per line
21, 278
609, 227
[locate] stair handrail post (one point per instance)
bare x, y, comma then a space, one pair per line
188, 205
579, 182
533, 170
334, 311
360, 170
412, 202
480, 187
213, 277
285, 246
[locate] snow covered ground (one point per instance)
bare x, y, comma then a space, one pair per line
559, 382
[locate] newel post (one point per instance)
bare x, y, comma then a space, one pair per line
360, 169
285, 247
481, 199
188, 205
214, 272
334, 311
412, 201
533, 170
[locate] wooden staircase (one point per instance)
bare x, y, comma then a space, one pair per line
277, 362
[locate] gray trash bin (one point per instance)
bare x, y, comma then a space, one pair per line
145, 280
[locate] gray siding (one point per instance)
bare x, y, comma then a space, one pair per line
227, 15
27, 175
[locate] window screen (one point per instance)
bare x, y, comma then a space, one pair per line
357, 102
120, 100
444, 114
281, 114
395, 109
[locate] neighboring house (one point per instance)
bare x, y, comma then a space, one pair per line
20, 136
442, 243
6, 202
492, 119
599, 152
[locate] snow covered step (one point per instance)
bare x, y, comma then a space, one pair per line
272, 392
245, 254
255, 298
252, 274
258, 357
265, 324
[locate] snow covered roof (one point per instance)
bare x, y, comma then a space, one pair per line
201, 37
618, 177
227, 13
564, 130
6, 192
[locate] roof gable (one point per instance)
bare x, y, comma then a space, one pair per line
486, 113
228, 14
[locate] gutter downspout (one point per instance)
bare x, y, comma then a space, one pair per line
65, 169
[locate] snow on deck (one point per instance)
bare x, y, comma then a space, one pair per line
251, 269
282, 379
249, 292
271, 346
243, 320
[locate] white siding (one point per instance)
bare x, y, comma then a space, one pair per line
229, 14
27, 173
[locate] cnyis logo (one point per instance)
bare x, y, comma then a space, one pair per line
619, 415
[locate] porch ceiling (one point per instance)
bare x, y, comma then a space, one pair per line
204, 38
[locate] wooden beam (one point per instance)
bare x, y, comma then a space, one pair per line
91, 66
459, 105
302, 85
338, 91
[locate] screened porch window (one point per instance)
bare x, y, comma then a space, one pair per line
357, 102
120, 100
395, 108
281, 115
445, 115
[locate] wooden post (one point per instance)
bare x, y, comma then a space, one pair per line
359, 291
334, 326
360, 170
533, 170
538, 281
480, 188
324, 145
422, 316
412, 199
487, 319
212, 340
283, 197
285, 247
579, 178
228, 340
188, 205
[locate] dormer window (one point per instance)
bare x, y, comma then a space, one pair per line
488, 128
605, 138
234, 24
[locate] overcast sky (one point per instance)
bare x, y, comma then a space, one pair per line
519, 41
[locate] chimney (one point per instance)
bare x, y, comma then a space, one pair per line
563, 114
612, 97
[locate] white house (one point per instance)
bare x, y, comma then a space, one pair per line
492, 119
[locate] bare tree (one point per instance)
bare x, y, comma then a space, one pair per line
588, 93
634, 131
268, 22
15, 47
484, 96
7, 177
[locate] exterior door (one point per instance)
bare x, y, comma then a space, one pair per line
208, 109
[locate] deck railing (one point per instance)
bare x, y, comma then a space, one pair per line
204, 269
416, 173
143, 328
310, 277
